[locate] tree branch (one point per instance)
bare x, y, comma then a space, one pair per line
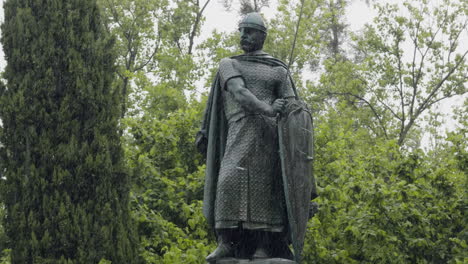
414, 78
114, 12
156, 49
374, 111
195, 26
400, 79
389, 108
425, 105
380, 101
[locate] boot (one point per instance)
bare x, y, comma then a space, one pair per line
262, 250
280, 246
225, 248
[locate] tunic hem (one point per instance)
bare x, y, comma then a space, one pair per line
249, 226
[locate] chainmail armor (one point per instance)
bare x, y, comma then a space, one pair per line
249, 190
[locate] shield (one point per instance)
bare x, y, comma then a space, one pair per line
295, 129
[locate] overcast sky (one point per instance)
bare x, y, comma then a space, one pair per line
218, 18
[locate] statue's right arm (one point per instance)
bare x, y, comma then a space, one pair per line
236, 86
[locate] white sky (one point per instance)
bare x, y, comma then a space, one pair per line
218, 18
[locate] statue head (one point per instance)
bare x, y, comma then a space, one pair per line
252, 32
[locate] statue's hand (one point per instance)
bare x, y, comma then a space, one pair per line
278, 106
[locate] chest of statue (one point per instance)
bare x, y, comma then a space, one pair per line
263, 81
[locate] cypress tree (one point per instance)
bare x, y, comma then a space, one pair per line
66, 190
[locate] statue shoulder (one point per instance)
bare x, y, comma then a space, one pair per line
224, 61
228, 69
227, 63
263, 58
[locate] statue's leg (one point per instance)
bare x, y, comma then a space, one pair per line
246, 244
262, 241
225, 247
280, 246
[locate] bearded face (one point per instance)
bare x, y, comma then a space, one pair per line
251, 39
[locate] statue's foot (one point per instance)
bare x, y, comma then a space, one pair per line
224, 250
260, 253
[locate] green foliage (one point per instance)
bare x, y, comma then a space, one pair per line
405, 82
333, 27
6, 258
281, 35
137, 27
4, 245
66, 192
161, 124
155, 41
379, 205
168, 193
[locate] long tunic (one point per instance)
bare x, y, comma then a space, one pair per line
249, 189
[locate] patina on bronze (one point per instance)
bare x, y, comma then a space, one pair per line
248, 186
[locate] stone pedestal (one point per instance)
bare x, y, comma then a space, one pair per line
254, 261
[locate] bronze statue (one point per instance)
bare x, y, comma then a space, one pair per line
251, 190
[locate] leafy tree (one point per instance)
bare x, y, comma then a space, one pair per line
66, 190
402, 86
136, 26
152, 37
333, 28
161, 124
379, 204
282, 32
333, 31
168, 194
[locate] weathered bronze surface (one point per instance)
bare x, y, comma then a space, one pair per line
257, 200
